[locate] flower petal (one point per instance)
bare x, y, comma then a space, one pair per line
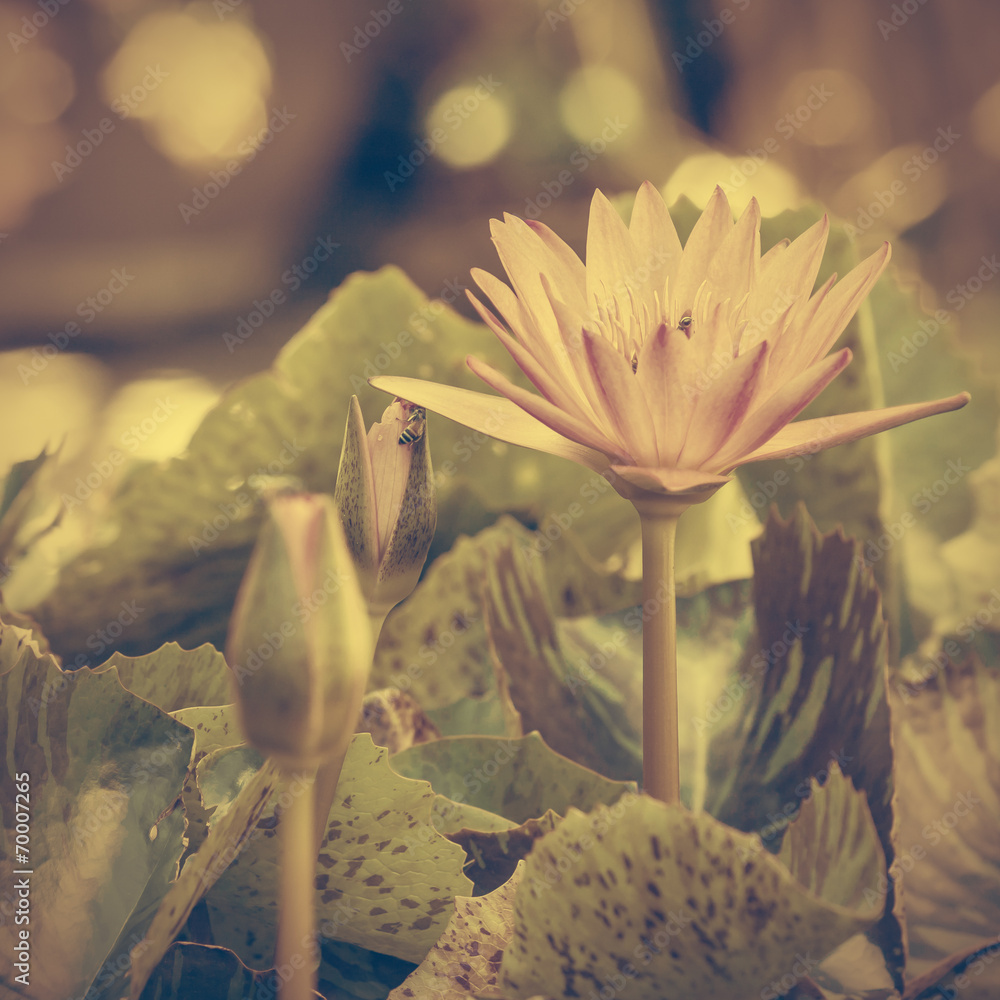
837, 308
491, 415
805, 437
566, 424
611, 264
722, 405
667, 375
666, 480
712, 227
733, 269
779, 409
538, 370
624, 407
524, 257
657, 246
570, 270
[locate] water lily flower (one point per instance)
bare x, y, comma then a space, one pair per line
385, 493
665, 367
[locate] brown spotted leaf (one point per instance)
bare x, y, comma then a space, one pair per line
395, 720
519, 779
229, 834
466, 959
946, 714
811, 690
385, 878
581, 712
664, 904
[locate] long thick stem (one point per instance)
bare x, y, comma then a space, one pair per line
295, 956
660, 749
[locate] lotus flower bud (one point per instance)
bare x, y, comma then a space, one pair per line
300, 661
385, 492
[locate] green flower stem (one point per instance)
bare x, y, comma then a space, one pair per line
297, 896
329, 771
660, 752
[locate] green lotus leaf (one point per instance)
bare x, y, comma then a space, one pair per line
451, 817
578, 681
99, 772
173, 678
665, 904
385, 878
519, 779
229, 834
473, 717
946, 716
919, 359
810, 692
465, 961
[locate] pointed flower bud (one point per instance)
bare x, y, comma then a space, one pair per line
300, 661
385, 492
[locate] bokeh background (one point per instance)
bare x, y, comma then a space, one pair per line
182, 186
165, 168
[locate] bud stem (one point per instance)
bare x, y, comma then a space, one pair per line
328, 774
297, 902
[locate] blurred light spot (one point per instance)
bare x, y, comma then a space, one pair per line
198, 84
825, 107
985, 121
55, 397
596, 94
468, 126
741, 177
899, 189
154, 418
36, 87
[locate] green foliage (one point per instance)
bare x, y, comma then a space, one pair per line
100, 771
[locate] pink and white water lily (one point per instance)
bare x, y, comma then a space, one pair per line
659, 365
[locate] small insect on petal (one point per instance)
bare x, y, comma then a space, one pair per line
416, 424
